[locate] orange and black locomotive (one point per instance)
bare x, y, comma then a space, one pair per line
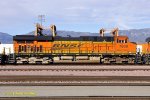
47, 49
39, 48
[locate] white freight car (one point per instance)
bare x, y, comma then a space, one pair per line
8, 48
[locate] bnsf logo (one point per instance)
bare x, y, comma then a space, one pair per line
66, 45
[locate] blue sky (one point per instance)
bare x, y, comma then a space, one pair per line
20, 16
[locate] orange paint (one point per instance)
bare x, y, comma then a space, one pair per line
120, 45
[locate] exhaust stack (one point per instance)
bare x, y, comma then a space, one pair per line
53, 30
38, 30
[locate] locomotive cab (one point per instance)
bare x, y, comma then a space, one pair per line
122, 39
123, 46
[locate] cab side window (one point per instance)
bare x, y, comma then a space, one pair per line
126, 40
121, 41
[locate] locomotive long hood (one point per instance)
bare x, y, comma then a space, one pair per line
59, 38
32, 38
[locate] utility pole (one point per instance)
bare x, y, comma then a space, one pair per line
41, 18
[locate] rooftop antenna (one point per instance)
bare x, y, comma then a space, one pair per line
41, 18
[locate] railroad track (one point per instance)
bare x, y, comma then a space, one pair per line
74, 64
74, 67
74, 75
74, 70
73, 80
80, 63
79, 98
72, 83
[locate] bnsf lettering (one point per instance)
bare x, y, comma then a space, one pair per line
66, 45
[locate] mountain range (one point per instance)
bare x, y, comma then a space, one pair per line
6, 38
135, 35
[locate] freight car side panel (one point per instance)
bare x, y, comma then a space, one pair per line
8, 48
